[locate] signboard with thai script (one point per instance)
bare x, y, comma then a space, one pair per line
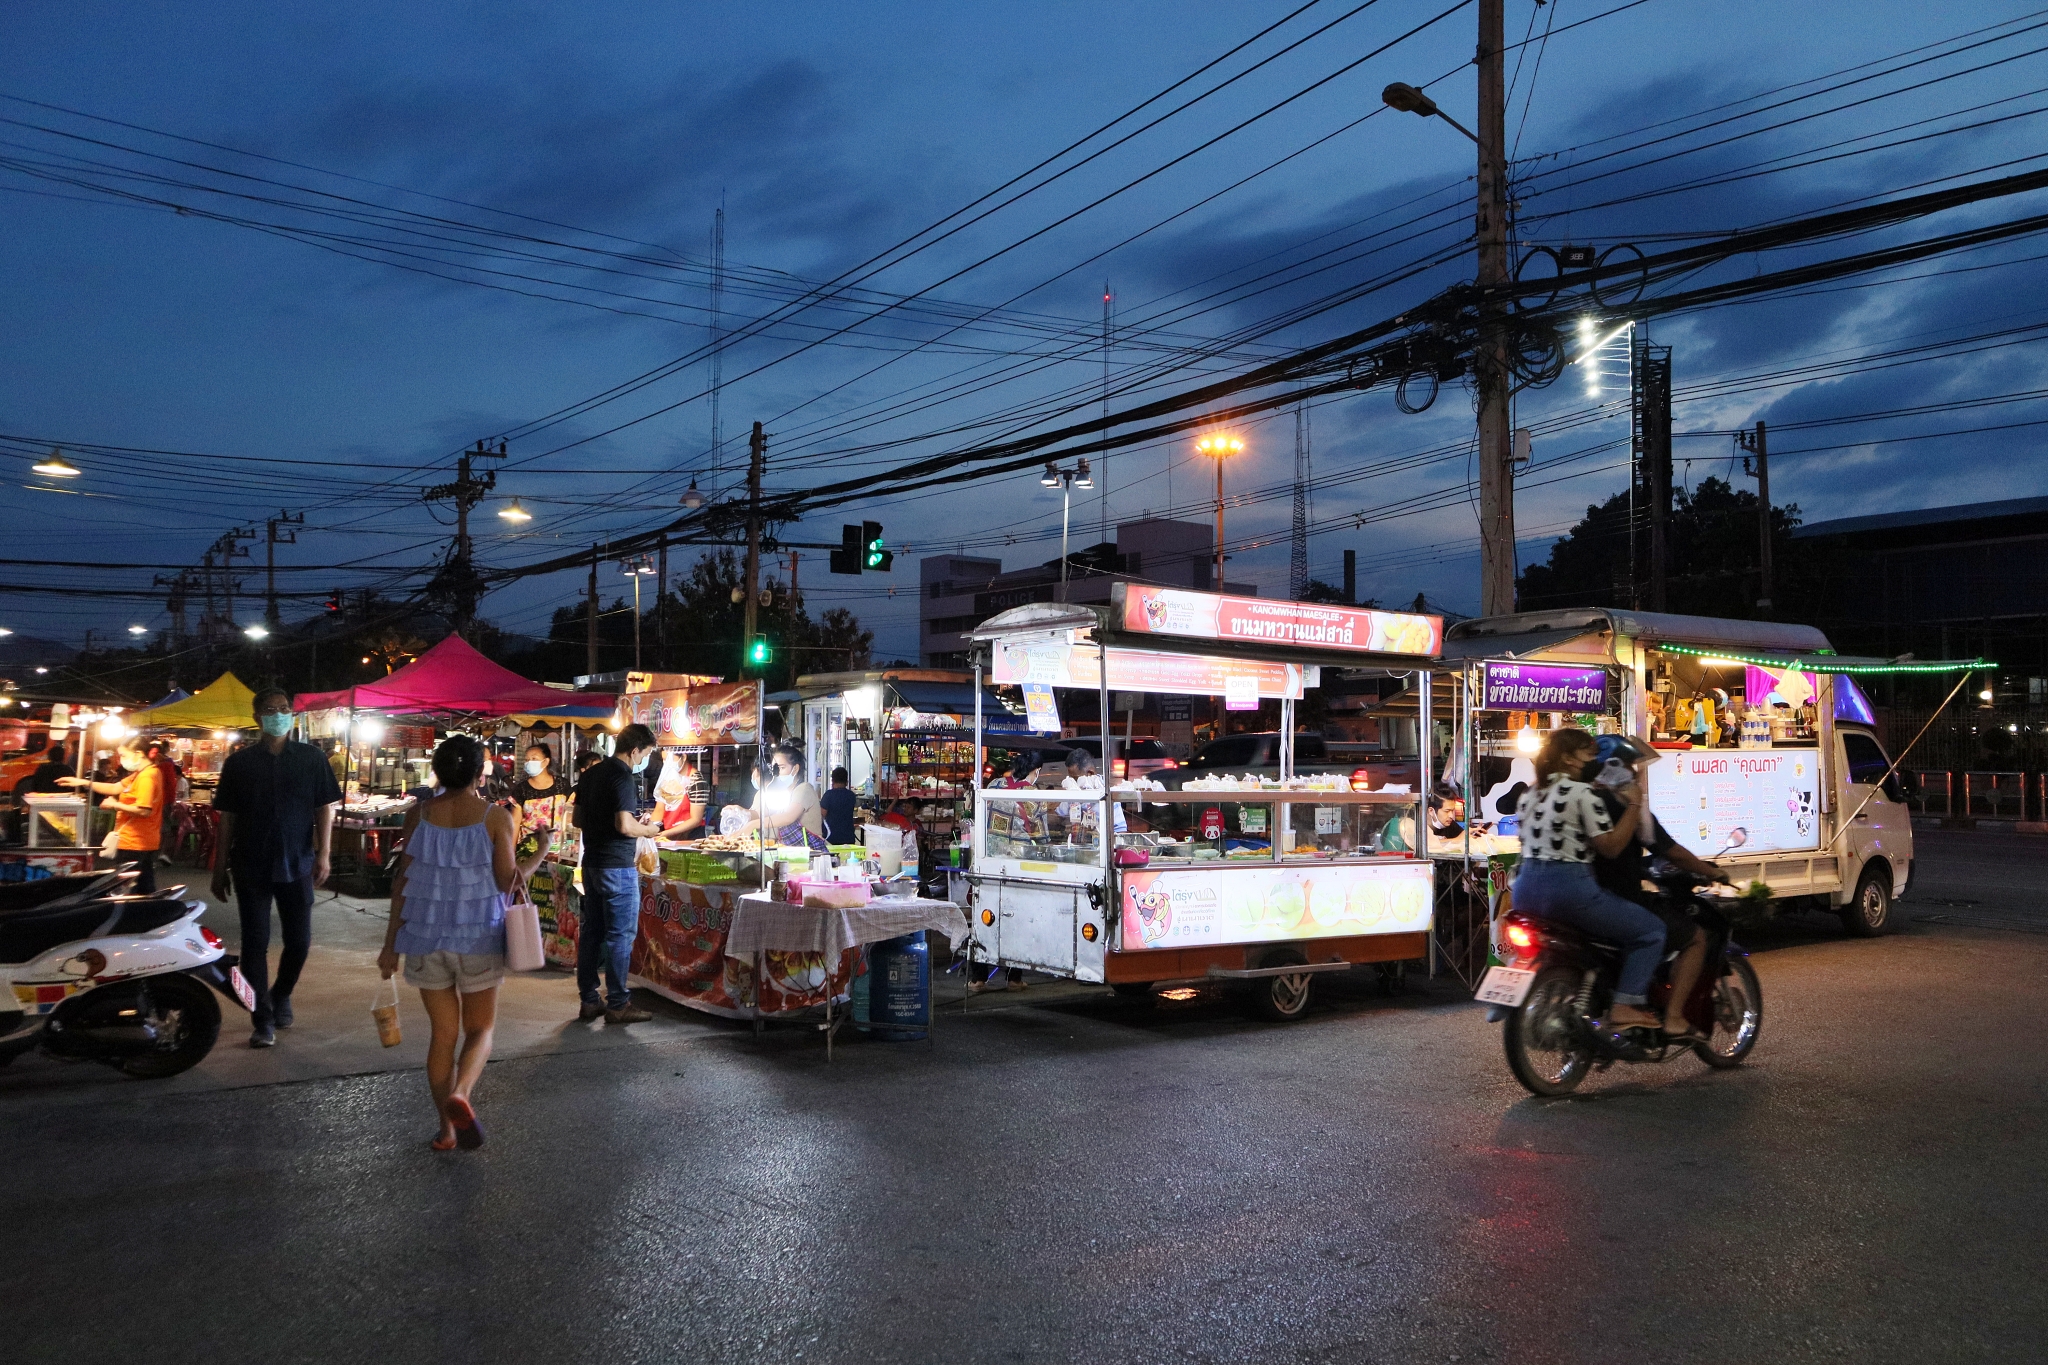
1512, 686
1200, 907
1738, 802
1260, 621
1141, 670
728, 713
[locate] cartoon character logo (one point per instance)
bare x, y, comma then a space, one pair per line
1155, 913
1799, 805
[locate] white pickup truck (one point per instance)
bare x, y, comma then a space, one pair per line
1814, 816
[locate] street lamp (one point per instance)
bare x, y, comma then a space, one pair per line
1066, 480
515, 512
636, 568
55, 465
1409, 100
256, 632
138, 630
1222, 445
692, 499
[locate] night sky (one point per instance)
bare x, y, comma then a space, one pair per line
475, 218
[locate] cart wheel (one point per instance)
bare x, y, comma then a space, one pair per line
1282, 999
1393, 977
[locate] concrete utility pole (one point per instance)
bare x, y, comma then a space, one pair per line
661, 601
1657, 465
465, 492
590, 619
1496, 481
1759, 447
272, 541
757, 458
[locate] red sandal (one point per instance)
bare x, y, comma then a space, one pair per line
469, 1134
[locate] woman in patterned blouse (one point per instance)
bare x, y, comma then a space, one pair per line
1565, 825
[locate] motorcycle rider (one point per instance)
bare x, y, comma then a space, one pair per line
1564, 825
1617, 768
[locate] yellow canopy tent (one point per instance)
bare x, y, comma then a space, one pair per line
226, 703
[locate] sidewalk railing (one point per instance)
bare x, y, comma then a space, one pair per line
1936, 784
1998, 795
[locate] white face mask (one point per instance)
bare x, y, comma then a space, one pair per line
535, 767
133, 763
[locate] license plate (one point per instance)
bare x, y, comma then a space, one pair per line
1505, 986
244, 992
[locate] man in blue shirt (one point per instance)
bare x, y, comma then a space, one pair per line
276, 799
838, 807
607, 811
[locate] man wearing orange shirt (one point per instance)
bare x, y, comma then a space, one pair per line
137, 801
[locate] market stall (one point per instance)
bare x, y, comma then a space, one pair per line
1770, 764
204, 727
1264, 879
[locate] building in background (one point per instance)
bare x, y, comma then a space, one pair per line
956, 593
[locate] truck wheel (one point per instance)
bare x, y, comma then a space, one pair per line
1282, 999
1870, 913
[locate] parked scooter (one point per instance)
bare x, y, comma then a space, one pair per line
1556, 992
95, 974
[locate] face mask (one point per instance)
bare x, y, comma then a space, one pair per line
276, 724
641, 766
534, 767
134, 763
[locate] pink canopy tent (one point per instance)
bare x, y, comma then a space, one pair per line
450, 677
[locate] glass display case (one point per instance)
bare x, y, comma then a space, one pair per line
1223, 827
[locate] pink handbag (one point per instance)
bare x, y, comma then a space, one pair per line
522, 931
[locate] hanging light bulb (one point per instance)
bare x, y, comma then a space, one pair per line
55, 465
515, 512
1528, 740
692, 499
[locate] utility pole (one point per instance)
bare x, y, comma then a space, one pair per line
271, 541
1656, 370
590, 620
465, 492
230, 551
661, 600
1758, 462
1496, 480
1102, 533
757, 457
1297, 558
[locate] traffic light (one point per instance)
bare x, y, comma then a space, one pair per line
874, 554
334, 603
847, 558
758, 652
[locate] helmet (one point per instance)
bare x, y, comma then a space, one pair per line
1627, 748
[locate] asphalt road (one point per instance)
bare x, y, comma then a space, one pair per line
1105, 1182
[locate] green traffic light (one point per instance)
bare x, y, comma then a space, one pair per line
758, 652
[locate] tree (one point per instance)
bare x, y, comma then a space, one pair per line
1711, 546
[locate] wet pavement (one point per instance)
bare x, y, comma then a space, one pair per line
1091, 1179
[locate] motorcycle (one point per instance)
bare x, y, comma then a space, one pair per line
96, 974
1555, 993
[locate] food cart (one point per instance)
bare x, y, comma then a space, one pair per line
1264, 880
1771, 764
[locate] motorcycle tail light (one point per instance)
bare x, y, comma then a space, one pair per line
212, 939
1521, 936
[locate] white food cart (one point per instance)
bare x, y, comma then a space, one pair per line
1261, 879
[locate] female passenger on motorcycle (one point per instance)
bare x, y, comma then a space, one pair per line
1564, 826
1622, 762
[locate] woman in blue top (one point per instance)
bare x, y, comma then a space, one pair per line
448, 927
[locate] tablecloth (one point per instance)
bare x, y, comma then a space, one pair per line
777, 926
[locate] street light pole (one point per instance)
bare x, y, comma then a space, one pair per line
1220, 444
1066, 480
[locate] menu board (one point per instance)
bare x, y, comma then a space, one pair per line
1202, 906
725, 713
1150, 610
1739, 802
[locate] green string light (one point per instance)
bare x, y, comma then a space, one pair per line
1819, 663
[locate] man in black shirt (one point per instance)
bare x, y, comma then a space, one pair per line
607, 811
276, 799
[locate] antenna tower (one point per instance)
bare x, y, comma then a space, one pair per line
717, 340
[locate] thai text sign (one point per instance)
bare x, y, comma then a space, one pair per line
1738, 802
1543, 687
727, 713
1139, 670
1257, 620
1200, 907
